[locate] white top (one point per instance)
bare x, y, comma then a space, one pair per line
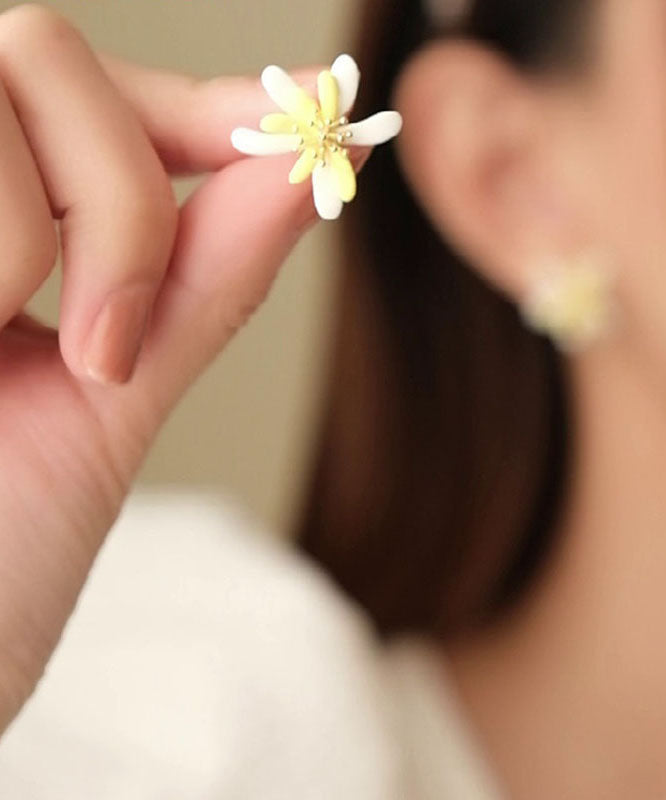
205, 660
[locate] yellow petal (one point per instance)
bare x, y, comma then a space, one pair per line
302, 106
345, 176
329, 94
302, 169
277, 123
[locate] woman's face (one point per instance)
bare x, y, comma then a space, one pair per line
516, 168
613, 132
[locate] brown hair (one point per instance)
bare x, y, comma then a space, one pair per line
443, 448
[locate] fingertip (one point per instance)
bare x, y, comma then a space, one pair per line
108, 351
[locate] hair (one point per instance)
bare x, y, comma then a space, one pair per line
444, 445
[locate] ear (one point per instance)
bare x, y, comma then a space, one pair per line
473, 147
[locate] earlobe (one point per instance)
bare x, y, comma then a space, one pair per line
473, 151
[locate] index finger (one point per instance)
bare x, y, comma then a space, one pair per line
189, 120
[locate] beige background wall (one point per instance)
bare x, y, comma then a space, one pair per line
245, 427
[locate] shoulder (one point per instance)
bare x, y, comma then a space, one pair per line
196, 619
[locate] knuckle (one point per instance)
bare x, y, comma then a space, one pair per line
156, 207
33, 22
150, 204
237, 316
148, 211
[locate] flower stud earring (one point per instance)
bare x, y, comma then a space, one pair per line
571, 301
318, 130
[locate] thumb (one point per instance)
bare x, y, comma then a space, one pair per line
234, 232
235, 229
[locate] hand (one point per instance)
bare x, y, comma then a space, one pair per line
90, 140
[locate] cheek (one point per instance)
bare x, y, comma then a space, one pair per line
629, 151
622, 155
627, 190
636, 213
626, 198
611, 153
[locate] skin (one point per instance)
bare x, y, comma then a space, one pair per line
90, 141
567, 694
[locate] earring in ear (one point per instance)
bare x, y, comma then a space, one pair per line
571, 301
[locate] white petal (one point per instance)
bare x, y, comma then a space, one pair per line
326, 197
377, 129
256, 143
282, 89
348, 75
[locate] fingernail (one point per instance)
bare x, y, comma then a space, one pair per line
113, 344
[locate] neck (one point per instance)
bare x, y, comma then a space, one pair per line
569, 692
